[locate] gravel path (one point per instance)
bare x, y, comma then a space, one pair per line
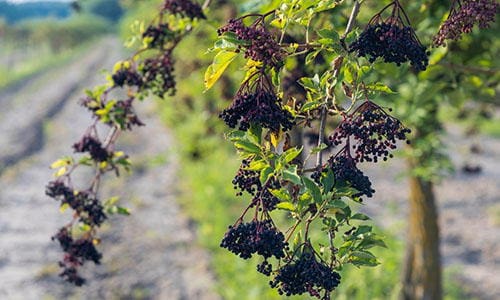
151, 254
469, 211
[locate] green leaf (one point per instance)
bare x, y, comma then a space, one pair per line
312, 56
218, 66
84, 227
329, 34
310, 106
363, 255
313, 188
122, 211
282, 194
265, 174
257, 165
379, 87
291, 154
369, 242
328, 181
247, 146
291, 175
362, 230
360, 216
318, 149
254, 134
286, 206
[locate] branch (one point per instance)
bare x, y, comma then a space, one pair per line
206, 4
336, 69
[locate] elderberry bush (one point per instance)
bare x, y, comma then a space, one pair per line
462, 18
255, 237
392, 39
371, 132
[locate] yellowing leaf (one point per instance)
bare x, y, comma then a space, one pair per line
276, 138
61, 163
218, 66
63, 207
60, 172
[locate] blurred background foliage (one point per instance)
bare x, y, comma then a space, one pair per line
450, 88
35, 36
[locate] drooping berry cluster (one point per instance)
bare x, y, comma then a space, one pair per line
306, 274
158, 36
462, 18
88, 209
184, 8
246, 180
158, 74
76, 253
374, 132
92, 145
345, 171
127, 76
392, 39
255, 237
259, 44
256, 103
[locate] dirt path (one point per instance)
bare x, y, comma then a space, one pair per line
149, 255
469, 211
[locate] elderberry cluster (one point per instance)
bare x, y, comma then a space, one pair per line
92, 145
374, 132
76, 253
306, 274
266, 199
89, 210
260, 45
345, 171
184, 8
393, 43
392, 39
127, 76
246, 180
462, 19
158, 35
259, 106
256, 237
158, 74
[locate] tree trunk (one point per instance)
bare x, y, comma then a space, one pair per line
422, 266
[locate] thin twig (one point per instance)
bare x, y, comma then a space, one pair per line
337, 67
206, 4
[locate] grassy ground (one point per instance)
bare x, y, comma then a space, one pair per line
33, 64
